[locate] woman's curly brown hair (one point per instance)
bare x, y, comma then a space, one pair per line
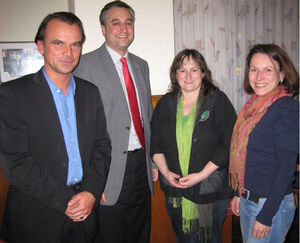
207, 85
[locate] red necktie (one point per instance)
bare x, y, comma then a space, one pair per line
134, 108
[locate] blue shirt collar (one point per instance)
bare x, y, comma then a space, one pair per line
53, 87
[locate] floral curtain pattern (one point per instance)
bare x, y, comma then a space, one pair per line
224, 31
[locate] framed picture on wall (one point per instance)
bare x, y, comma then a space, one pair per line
18, 59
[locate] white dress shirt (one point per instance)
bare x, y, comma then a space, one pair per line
134, 142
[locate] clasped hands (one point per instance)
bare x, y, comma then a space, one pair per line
183, 182
80, 206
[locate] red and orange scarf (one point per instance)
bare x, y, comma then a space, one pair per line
250, 115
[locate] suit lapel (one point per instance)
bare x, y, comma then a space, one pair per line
112, 82
79, 101
47, 109
45, 99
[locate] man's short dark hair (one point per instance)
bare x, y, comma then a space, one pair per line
114, 4
66, 17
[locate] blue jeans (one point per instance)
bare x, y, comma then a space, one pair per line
281, 221
219, 214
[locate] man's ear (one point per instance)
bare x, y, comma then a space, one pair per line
103, 30
40, 46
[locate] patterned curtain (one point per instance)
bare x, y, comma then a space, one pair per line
224, 31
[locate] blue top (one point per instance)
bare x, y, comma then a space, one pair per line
272, 155
65, 107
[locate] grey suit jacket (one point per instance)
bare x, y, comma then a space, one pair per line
98, 68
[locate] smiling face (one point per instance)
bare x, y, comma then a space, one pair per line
118, 29
264, 74
189, 76
61, 48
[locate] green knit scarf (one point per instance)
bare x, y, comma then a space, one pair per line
184, 133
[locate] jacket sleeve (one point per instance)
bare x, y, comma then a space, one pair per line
149, 102
19, 167
96, 170
155, 147
286, 144
226, 119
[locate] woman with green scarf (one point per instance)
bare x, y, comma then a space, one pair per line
191, 132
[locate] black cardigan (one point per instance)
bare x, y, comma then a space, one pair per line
210, 142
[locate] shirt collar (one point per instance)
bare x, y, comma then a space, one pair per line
114, 55
71, 87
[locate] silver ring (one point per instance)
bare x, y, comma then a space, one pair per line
81, 217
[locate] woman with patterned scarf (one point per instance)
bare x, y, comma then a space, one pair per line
191, 131
265, 145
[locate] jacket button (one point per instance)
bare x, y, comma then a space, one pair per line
195, 140
124, 152
128, 128
64, 164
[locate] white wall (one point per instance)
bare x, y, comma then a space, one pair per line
20, 19
154, 34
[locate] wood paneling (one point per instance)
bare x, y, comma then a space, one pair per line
161, 228
155, 99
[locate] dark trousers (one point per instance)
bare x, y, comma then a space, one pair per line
33, 222
74, 232
128, 220
219, 212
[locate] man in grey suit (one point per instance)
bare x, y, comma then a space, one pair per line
125, 210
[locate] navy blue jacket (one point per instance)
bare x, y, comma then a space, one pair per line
272, 155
